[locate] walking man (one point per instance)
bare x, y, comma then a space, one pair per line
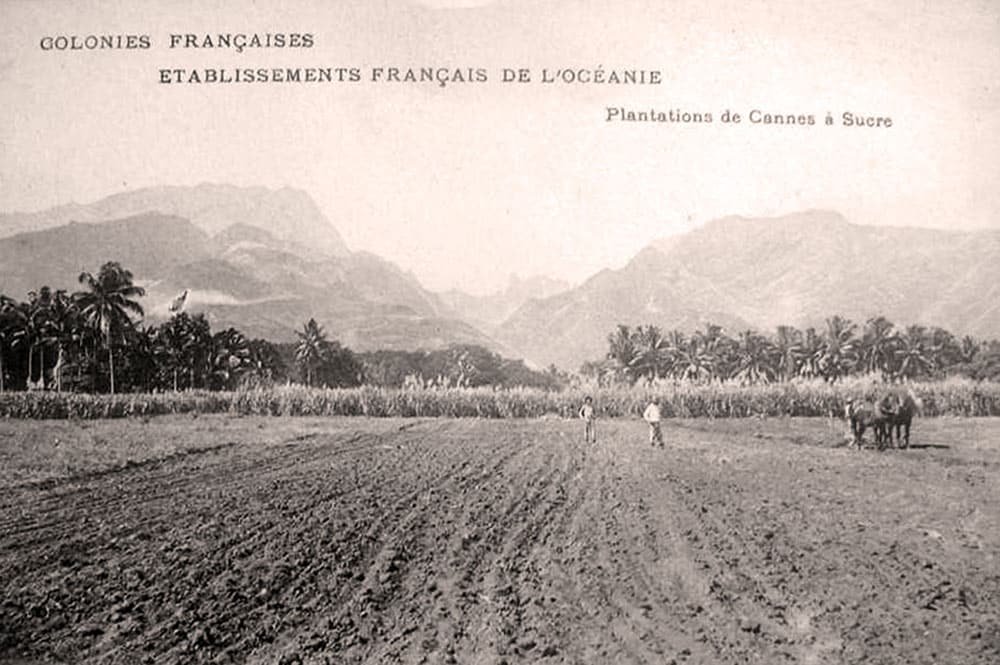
652, 416
587, 415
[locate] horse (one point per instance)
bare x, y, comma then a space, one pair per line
899, 409
863, 415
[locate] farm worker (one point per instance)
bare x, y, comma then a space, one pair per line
587, 415
652, 416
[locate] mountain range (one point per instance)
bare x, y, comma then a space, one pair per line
488, 312
797, 270
265, 261
260, 260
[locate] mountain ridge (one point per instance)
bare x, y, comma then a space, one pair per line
797, 269
255, 272
287, 213
241, 275
153, 242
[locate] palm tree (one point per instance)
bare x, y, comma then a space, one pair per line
138, 360
651, 355
198, 349
309, 351
231, 357
25, 321
184, 342
812, 354
169, 342
106, 305
622, 348
913, 356
839, 348
946, 350
789, 351
714, 350
877, 344
61, 329
722, 346
266, 359
674, 342
969, 348
694, 361
754, 358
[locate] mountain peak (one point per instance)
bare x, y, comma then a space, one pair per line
286, 213
818, 222
242, 277
814, 221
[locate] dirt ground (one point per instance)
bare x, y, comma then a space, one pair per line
231, 540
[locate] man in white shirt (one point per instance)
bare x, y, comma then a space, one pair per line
652, 416
587, 415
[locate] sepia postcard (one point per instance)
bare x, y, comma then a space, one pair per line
625, 331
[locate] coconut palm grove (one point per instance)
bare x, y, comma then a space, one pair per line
94, 340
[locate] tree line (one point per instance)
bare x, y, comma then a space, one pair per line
840, 349
94, 340
325, 362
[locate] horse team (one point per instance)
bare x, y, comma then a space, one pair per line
893, 413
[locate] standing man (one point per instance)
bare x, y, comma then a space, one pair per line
652, 416
587, 415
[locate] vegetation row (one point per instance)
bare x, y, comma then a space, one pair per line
842, 348
95, 341
952, 397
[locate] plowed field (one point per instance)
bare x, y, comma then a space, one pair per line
231, 540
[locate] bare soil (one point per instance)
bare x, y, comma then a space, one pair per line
231, 540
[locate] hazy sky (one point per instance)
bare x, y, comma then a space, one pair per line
466, 183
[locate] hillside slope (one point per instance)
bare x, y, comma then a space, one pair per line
244, 276
761, 273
